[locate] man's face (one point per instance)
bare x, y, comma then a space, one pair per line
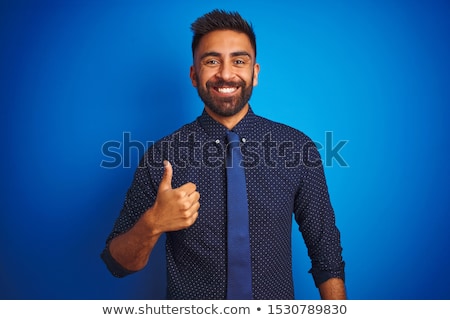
224, 71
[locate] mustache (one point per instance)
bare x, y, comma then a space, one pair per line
223, 83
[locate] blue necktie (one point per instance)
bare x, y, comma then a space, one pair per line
239, 264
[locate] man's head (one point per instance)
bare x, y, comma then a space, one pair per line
225, 69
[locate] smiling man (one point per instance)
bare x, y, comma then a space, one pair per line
182, 188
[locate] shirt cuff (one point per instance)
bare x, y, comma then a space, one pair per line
113, 266
320, 276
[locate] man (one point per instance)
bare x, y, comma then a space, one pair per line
180, 186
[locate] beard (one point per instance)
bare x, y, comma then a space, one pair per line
225, 106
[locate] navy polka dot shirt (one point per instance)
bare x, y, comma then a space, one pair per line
285, 179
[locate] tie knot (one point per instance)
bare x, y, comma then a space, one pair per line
232, 137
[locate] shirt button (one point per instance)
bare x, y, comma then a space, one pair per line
217, 141
243, 140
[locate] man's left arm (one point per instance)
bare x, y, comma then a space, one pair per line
333, 289
315, 217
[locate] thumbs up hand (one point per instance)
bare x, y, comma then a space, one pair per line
174, 209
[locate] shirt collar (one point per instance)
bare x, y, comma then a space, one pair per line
215, 130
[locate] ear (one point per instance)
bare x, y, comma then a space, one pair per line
193, 76
256, 69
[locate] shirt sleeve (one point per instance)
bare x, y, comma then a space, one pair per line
316, 219
139, 198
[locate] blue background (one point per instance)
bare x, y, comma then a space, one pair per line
76, 74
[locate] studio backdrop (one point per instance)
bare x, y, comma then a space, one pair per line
86, 86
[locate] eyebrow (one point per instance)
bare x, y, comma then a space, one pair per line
217, 54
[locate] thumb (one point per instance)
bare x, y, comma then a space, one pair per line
166, 180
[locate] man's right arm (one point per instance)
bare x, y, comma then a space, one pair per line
173, 210
132, 249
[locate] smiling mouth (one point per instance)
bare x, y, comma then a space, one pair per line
226, 90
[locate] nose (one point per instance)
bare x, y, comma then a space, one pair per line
225, 71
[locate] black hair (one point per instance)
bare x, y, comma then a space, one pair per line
221, 20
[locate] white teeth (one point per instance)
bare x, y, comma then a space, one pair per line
226, 90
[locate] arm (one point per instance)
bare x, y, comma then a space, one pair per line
174, 209
133, 248
316, 219
332, 289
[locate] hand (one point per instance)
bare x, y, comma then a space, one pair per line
174, 209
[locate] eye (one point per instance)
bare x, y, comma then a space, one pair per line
212, 62
239, 61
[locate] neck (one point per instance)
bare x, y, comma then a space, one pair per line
228, 122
